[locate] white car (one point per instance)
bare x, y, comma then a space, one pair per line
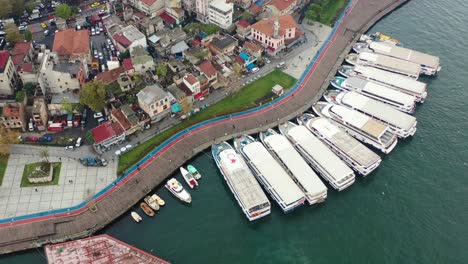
93, 31
254, 70
266, 60
95, 54
109, 42
69, 148
98, 115
100, 56
22, 28
46, 32
100, 120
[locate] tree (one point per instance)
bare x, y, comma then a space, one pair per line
20, 95
161, 70
7, 138
12, 34
17, 8
124, 55
44, 154
94, 95
29, 87
6, 8
64, 11
30, 6
314, 12
67, 106
27, 35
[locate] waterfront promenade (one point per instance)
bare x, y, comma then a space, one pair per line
19, 234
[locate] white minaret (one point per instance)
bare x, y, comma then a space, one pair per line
276, 28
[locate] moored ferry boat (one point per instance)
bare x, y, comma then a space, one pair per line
285, 153
241, 181
270, 173
319, 156
350, 150
402, 124
394, 65
176, 188
358, 125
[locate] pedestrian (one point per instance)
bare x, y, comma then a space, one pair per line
35, 189
60, 159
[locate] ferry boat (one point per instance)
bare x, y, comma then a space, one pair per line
430, 65
270, 174
136, 217
394, 81
153, 203
358, 125
403, 125
241, 181
146, 209
360, 47
394, 65
396, 99
377, 36
305, 178
319, 156
176, 188
194, 172
189, 179
350, 150
158, 199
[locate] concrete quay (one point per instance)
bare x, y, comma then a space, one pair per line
21, 234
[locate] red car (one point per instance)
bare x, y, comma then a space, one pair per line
33, 139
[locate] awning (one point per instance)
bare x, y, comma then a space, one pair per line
175, 108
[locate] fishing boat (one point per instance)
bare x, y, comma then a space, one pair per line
189, 179
192, 170
176, 188
146, 209
136, 217
152, 202
158, 199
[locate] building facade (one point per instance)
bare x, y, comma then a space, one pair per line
154, 101
274, 32
14, 116
9, 78
220, 13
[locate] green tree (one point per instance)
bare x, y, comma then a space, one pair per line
124, 55
6, 8
44, 154
64, 11
27, 35
20, 95
12, 34
94, 95
161, 70
314, 12
17, 7
29, 87
67, 106
7, 138
131, 99
30, 6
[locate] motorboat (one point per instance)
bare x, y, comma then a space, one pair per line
176, 188
189, 179
136, 217
194, 172
152, 202
158, 200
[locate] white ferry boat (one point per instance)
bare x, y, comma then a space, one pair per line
350, 150
176, 188
396, 99
319, 156
270, 173
283, 151
394, 65
402, 124
241, 181
358, 125
430, 65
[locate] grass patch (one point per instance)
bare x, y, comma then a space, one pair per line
3, 166
330, 10
246, 98
207, 28
28, 168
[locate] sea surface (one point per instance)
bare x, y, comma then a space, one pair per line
413, 209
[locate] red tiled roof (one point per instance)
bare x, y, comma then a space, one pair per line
148, 2
168, 18
18, 59
11, 110
240, 60
103, 132
120, 38
281, 5
207, 68
118, 129
243, 23
265, 25
140, 15
127, 64
252, 46
4, 55
185, 89
26, 67
110, 76
21, 48
190, 79
122, 119
71, 42
255, 9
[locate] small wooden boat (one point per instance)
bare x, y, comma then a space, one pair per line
194, 172
158, 199
148, 211
152, 203
136, 217
189, 179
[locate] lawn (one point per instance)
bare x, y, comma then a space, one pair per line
331, 10
3, 166
28, 168
250, 96
208, 29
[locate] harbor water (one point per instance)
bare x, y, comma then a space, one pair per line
412, 209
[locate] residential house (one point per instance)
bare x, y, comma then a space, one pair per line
14, 116
128, 38
201, 9
220, 13
39, 113
163, 40
244, 4
149, 7
173, 16
253, 49
150, 25
209, 71
179, 48
154, 101
128, 66
192, 83
127, 119
141, 60
256, 9
55, 106
180, 97
189, 6
177, 66
72, 45
23, 56
281, 7
275, 33
195, 54
125, 82
223, 45
107, 135
9, 78
111, 76
243, 29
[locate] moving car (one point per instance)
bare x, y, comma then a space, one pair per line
95, 4
43, 25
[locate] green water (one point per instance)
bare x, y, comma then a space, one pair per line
413, 209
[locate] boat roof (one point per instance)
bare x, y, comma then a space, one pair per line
392, 79
331, 163
349, 145
241, 179
273, 173
390, 62
378, 109
359, 120
405, 54
296, 164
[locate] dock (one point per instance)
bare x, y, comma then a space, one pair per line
81, 221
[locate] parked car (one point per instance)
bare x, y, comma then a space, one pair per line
69, 148
281, 65
95, 4
98, 115
266, 60
101, 120
33, 139
22, 28
45, 139
46, 32
93, 31
43, 25
254, 70
78, 142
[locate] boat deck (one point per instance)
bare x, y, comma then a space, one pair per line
410, 68
405, 54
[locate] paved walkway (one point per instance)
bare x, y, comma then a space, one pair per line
20, 235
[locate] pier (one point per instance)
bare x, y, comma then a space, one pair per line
27, 232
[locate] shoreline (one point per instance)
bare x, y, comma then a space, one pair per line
81, 222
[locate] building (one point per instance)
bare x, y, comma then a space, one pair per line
183, 99
154, 101
253, 49
127, 119
128, 38
150, 25
111, 76
55, 106
223, 45
149, 7
244, 4
125, 82
9, 78
72, 45
107, 135
39, 113
195, 54
201, 9
23, 56
192, 83
280, 7
141, 60
275, 33
163, 40
209, 71
243, 29
220, 13
14, 116
189, 6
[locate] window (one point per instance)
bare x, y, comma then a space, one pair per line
66, 83
164, 107
152, 106
58, 80
165, 99
157, 103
